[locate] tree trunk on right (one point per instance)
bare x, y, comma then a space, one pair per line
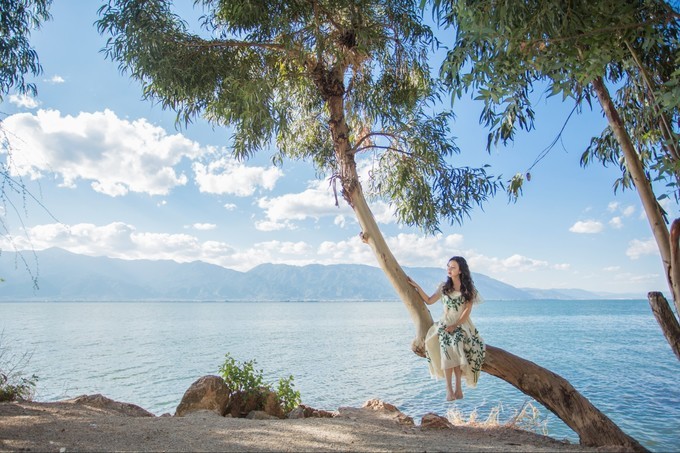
667, 242
554, 392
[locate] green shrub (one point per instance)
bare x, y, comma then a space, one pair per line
15, 388
288, 396
13, 384
243, 377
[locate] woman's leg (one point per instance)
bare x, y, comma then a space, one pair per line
450, 394
459, 389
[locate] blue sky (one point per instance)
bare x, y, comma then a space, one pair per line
119, 179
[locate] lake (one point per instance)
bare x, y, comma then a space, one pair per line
344, 353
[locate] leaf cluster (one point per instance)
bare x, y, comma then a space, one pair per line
269, 70
18, 58
503, 49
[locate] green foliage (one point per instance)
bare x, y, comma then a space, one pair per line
13, 384
503, 49
244, 377
288, 396
241, 377
15, 388
319, 81
17, 19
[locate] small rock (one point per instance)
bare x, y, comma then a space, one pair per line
260, 415
434, 421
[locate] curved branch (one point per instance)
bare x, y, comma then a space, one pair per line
560, 397
386, 148
372, 134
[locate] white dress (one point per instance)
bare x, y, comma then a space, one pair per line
463, 347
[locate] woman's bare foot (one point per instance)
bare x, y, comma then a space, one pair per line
458, 395
450, 396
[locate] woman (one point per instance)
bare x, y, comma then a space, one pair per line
453, 345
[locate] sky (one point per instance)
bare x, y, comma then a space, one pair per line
110, 174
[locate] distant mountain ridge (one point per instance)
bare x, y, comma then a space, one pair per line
64, 276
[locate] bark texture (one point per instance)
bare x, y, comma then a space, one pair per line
668, 246
666, 318
560, 397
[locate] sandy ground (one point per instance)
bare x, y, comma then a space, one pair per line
71, 427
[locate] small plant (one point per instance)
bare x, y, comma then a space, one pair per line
13, 385
21, 388
528, 418
244, 377
288, 396
241, 377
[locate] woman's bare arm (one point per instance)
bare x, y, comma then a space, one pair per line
429, 300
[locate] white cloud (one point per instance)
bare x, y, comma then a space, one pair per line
383, 212
116, 155
315, 202
121, 240
628, 211
587, 227
523, 263
229, 206
55, 79
228, 176
638, 248
613, 206
616, 222
204, 226
23, 101
266, 225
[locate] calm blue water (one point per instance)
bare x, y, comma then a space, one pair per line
344, 353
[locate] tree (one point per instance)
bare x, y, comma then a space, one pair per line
17, 19
582, 51
326, 82
17, 59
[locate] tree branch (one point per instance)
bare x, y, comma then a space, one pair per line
670, 17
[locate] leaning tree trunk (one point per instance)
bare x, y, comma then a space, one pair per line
666, 319
549, 389
671, 261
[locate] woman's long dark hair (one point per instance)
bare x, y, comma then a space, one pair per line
467, 286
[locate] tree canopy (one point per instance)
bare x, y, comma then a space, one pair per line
302, 78
503, 49
17, 19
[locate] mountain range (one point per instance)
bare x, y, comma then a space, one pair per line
57, 275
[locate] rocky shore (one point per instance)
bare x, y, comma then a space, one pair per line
95, 423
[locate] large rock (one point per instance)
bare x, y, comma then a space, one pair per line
242, 403
207, 393
99, 401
